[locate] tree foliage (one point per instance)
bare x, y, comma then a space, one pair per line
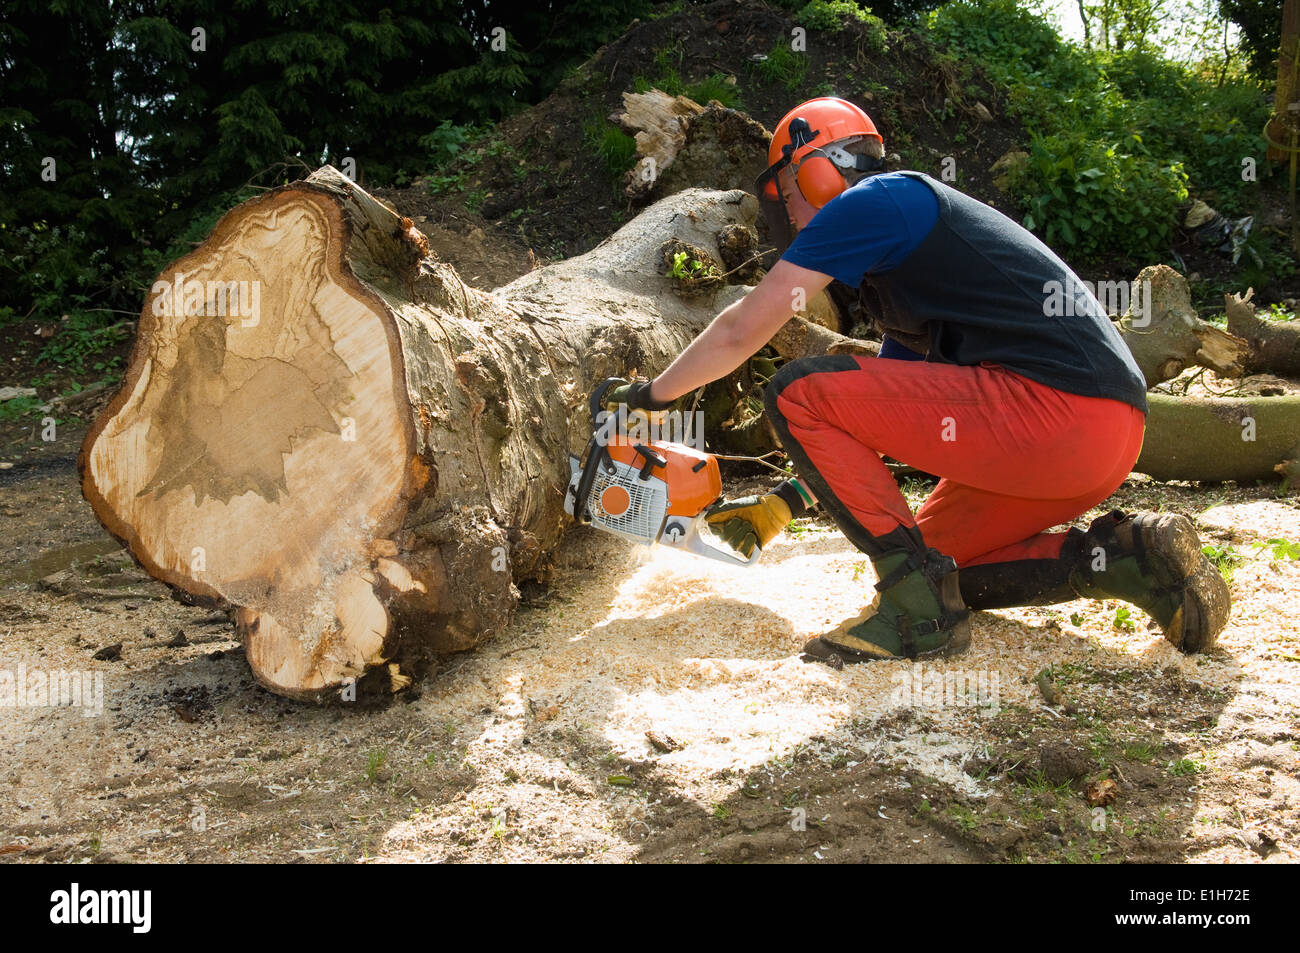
1260, 22
122, 121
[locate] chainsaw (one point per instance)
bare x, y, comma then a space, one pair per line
651, 492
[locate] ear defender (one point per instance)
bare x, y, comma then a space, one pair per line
819, 180
828, 119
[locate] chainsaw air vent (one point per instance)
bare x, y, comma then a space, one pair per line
646, 509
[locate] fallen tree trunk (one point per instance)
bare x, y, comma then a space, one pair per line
371, 455
1223, 438
1274, 347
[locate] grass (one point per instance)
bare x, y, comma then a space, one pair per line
1100, 743
782, 65
963, 816
1224, 559
375, 761
1142, 752
1185, 767
714, 86
616, 149
1038, 783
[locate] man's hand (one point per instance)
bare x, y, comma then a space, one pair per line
636, 396
750, 521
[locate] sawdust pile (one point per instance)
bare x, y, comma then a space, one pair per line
708, 655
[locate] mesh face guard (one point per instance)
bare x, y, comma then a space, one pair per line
771, 202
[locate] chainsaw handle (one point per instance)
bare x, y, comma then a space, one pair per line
680, 533
597, 403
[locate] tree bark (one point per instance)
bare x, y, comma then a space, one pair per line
368, 465
1274, 347
1224, 438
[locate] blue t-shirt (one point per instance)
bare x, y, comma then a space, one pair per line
871, 227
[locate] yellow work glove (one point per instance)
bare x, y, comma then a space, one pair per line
749, 521
757, 520
636, 396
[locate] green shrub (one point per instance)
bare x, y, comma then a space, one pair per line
57, 269
1118, 139
447, 141
1089, 197
830, 14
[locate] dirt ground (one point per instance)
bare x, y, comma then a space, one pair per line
538, 746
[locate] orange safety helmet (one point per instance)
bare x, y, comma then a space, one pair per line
809, 139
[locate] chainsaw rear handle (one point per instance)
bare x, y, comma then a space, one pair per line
682, 533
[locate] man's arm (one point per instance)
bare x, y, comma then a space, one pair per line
739, 331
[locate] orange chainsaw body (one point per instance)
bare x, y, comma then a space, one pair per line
693, 477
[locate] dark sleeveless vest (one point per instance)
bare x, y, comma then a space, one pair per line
980, 288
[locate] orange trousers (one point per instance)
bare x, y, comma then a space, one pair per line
1014, 457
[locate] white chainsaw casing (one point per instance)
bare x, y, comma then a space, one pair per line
646, 520
643, 520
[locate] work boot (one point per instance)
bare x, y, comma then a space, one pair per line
1154, 561
917, 612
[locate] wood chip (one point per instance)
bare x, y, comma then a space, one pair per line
664, 743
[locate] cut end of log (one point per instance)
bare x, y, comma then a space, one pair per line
259, 443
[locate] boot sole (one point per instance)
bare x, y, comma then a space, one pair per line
837, 656
1174, 549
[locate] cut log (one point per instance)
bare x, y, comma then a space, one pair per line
803, 338
682, 144
1166, 337
1274, 347
368, 459
658, 122
1241, 439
